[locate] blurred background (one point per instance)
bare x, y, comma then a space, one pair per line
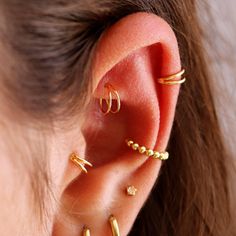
219, 20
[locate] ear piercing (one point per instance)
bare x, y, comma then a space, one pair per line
146, 151
131, 190
112, 93
173, 79
86, 231
80, 162
114, 226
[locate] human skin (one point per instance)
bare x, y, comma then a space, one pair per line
144, 48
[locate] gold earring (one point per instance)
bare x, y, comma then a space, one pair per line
148, 152
114, 226
131, 190
173, 79
80, 162
111, 93
86, 231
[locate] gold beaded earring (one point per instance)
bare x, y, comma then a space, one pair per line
146, 151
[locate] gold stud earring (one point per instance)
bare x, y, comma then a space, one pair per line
173, 79
112, 93
86, 231
131, 190
148, 152
80, 162
114, 226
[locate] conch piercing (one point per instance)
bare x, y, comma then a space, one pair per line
86, 231
112, 93
146, 151
80, 162
131, 190
114, 226
173, 79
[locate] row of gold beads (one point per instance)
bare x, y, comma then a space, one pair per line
148, 152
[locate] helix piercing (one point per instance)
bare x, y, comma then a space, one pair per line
80, 162
112, 93
86, 231
131, 190
114, 226
173, 79
148, 152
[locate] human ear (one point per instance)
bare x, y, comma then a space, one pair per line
130, 56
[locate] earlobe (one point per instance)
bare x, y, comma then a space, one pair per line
131, 56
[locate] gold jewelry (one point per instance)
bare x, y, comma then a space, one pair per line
173, 79
114, 226
146, 151
131, 190
111, 93
86, 231
80, 162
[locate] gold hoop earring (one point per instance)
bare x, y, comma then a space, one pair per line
114, 226
80, 162
86, 231
146, 151
173, 79
111, 93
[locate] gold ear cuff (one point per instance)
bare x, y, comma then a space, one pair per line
112, 93
148, 152
80, 162
173, 79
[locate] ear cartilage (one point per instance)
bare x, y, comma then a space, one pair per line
146, 151
173, 79
112, 93
131, 190
80, 162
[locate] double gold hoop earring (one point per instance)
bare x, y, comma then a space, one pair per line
112, 94
173, 79
80, 162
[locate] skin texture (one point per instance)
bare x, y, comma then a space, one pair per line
131, 55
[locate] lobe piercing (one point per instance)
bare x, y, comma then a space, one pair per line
131, 190
80, 162
86, 231
114, 226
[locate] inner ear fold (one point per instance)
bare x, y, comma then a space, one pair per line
134, 78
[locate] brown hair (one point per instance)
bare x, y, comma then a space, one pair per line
55, 40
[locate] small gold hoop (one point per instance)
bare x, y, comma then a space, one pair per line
173, 79
86, 231
111, 93
114, 226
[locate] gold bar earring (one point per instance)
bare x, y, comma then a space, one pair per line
80, 162
114, 226
86, 231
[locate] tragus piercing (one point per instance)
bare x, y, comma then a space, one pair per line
80, 162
